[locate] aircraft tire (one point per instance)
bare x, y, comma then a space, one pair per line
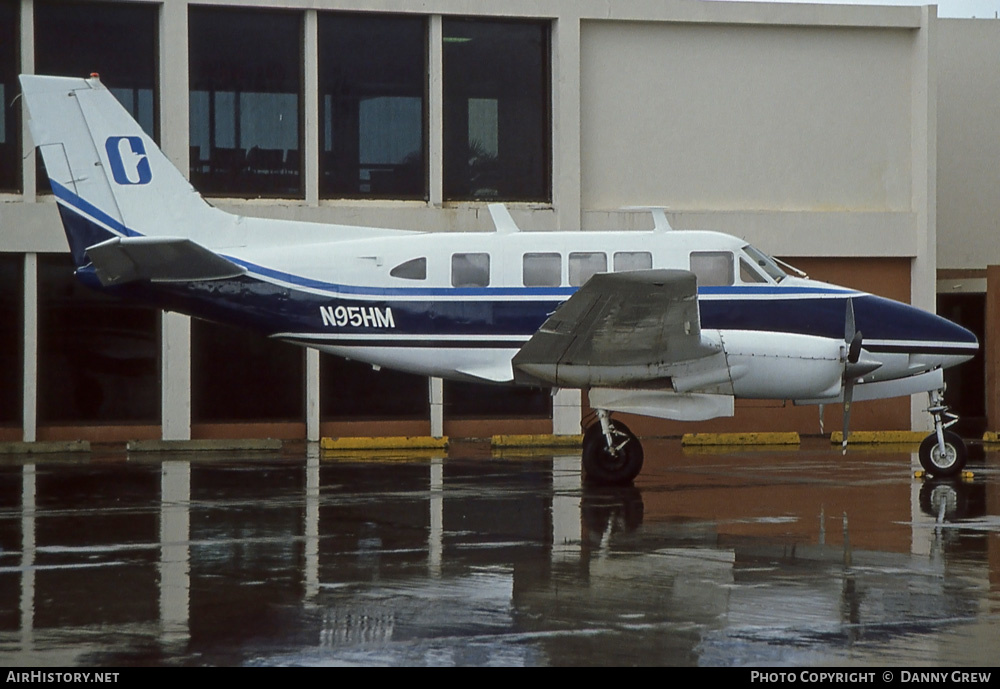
943, 465
601, 466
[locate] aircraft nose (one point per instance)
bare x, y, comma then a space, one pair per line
892, 326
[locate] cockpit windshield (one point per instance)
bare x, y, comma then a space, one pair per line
768, 264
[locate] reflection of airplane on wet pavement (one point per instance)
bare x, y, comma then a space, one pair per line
664, 323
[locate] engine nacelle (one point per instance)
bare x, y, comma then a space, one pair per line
766, 365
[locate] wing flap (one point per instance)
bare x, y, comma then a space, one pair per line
158, 259
618, 329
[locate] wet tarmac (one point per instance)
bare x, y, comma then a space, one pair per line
787, 556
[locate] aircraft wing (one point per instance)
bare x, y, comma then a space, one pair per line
619, 329
158, 259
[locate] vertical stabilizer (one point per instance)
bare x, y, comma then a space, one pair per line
109, 176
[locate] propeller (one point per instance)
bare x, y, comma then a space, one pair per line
854, 367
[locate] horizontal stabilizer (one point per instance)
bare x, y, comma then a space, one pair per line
158, 259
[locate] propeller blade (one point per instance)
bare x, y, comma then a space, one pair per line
853, 339
848, 397
854, 348
849, 328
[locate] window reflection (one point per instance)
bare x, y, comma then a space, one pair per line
352, 390
496, 110
246, 78
239, 375
10, 118
115, 40
482, 400
98, 355
11, 310
372, 82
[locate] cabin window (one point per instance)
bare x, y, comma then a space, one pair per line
583, 264
632, 260
766, 263
414, 269
542, 270
713, 268
470, 270
748, 273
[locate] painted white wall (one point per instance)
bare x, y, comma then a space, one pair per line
968, 183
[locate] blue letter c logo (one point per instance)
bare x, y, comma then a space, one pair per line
129, 163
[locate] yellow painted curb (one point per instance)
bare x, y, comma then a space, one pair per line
875, 437
541, 440
409, 442
776, 438
991, 437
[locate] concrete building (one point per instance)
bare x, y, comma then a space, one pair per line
855, 142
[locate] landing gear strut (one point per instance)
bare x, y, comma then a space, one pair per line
942, 453
612, 455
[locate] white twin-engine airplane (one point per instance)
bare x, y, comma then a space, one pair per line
664, 323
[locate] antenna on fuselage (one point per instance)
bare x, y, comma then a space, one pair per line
502, 221
660, 222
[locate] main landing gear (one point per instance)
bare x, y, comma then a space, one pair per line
942, 453
612, 455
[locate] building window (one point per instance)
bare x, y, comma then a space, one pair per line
355, 391
116, 40
11, 338
240, 376
10, 113
464, 400
497, 142
246, 102
99, 356
372, 99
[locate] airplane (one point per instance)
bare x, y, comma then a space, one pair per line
665, 323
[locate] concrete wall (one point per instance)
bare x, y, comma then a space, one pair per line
968, 212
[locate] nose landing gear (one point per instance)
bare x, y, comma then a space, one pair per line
942, 453
612, 455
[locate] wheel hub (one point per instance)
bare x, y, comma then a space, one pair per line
943, 459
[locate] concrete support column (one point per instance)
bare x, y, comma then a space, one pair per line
175, 136
435, 110
27, 67
312, 395
991, 348
566, 414
175, 376
436, 391
566, 122
310, 120
175, 141
29, 418
923, 138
